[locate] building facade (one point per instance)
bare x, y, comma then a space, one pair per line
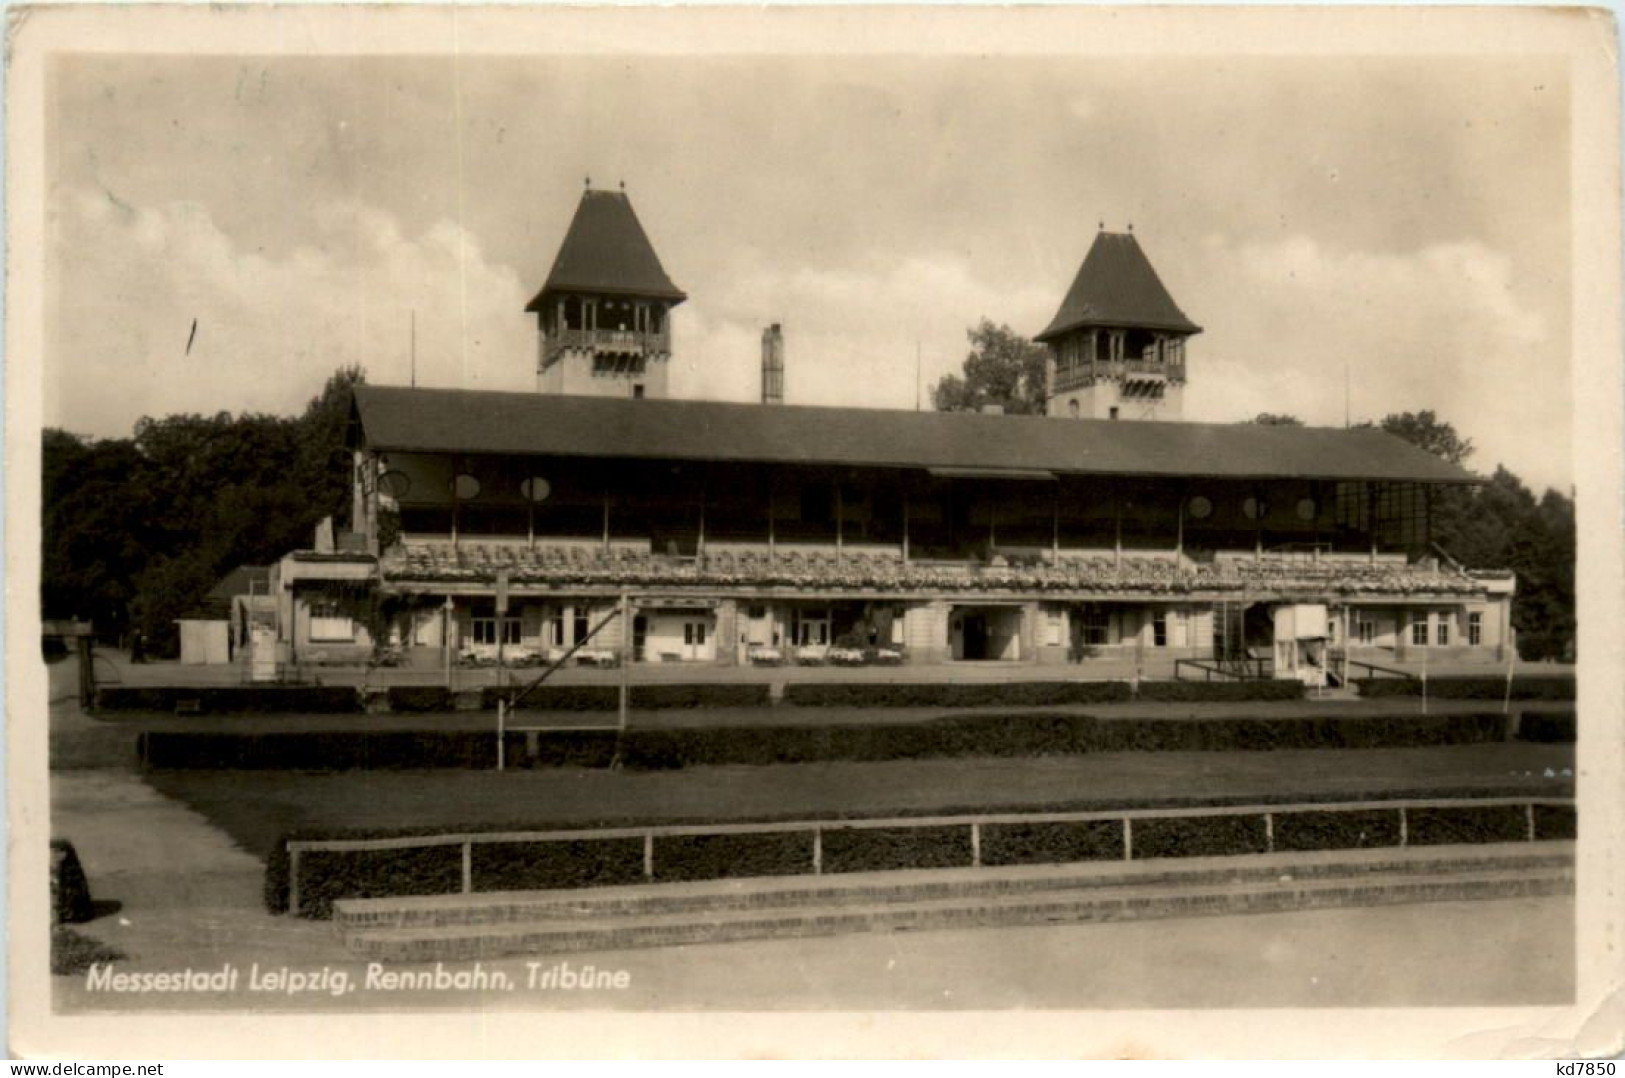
520, 525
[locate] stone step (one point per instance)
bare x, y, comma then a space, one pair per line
563, 936
878, 888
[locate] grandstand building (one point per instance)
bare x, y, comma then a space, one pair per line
740, 534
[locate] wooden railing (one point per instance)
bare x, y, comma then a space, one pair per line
623, 340
815, 829
1085, 373
1245, 668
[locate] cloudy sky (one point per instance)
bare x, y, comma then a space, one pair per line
1404, 220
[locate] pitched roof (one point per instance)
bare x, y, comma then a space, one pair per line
1116, 286
503, 424
606, 250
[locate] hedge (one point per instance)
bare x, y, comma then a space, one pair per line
1021, 734
1051, 843
1472, 823
503, 866
1470, 688
642, 697
715, 857
1221, 691
1547, 726
952, 694
1199, 836
1355, 829
228, 699
888, 849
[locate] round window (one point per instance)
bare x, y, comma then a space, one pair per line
1253, 508
1200, 508
535, 489
465, 487
1306, 509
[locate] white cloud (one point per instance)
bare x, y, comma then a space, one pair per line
1440, 328
269, 329
851, 333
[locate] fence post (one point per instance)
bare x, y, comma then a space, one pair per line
468, 868
293, 880
1529, 816
1128, 839
975, 844
818, 851
1269, 832
1404, 828
502, 717
648, 855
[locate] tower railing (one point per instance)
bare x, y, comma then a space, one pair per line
630, 342
1087, 373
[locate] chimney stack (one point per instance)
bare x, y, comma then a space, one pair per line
773, 365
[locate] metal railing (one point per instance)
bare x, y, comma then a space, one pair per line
623, 340
973, 824
1086, 372
1245, 668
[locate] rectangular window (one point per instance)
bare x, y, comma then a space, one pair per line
485, 630
329, 622
555, 628
581, 627
1419, 632
1095, 627
1366, 628
1159, 629
1444, 631
1054, 628
1475, 629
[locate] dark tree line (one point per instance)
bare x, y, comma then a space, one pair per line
137, 530
1498, 525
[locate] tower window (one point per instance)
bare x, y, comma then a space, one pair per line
1114, 411
637, 391
1072, 408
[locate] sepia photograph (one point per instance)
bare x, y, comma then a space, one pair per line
813, 531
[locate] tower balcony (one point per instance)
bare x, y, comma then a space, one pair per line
1087, 373
625, 343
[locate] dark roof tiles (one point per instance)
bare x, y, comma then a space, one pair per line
607, 251
1116, 286
492, 423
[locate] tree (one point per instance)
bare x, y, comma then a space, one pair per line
1271, 419
136, 531
1502, 526
1003, 368
1428, 431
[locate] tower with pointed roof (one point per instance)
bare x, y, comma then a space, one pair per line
1117, 344
604, 314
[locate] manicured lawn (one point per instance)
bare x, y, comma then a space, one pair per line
255, 808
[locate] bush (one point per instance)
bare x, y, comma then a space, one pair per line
1468, 823
1337, 830
1556, 822
540, 866
70, 891
1213, 691
224, 700
1051, 843
988, 735
502, 866
1198, 836
713, 857
1547, 726
642, 697
878, 849
950, 694
419, 698
1470, 688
